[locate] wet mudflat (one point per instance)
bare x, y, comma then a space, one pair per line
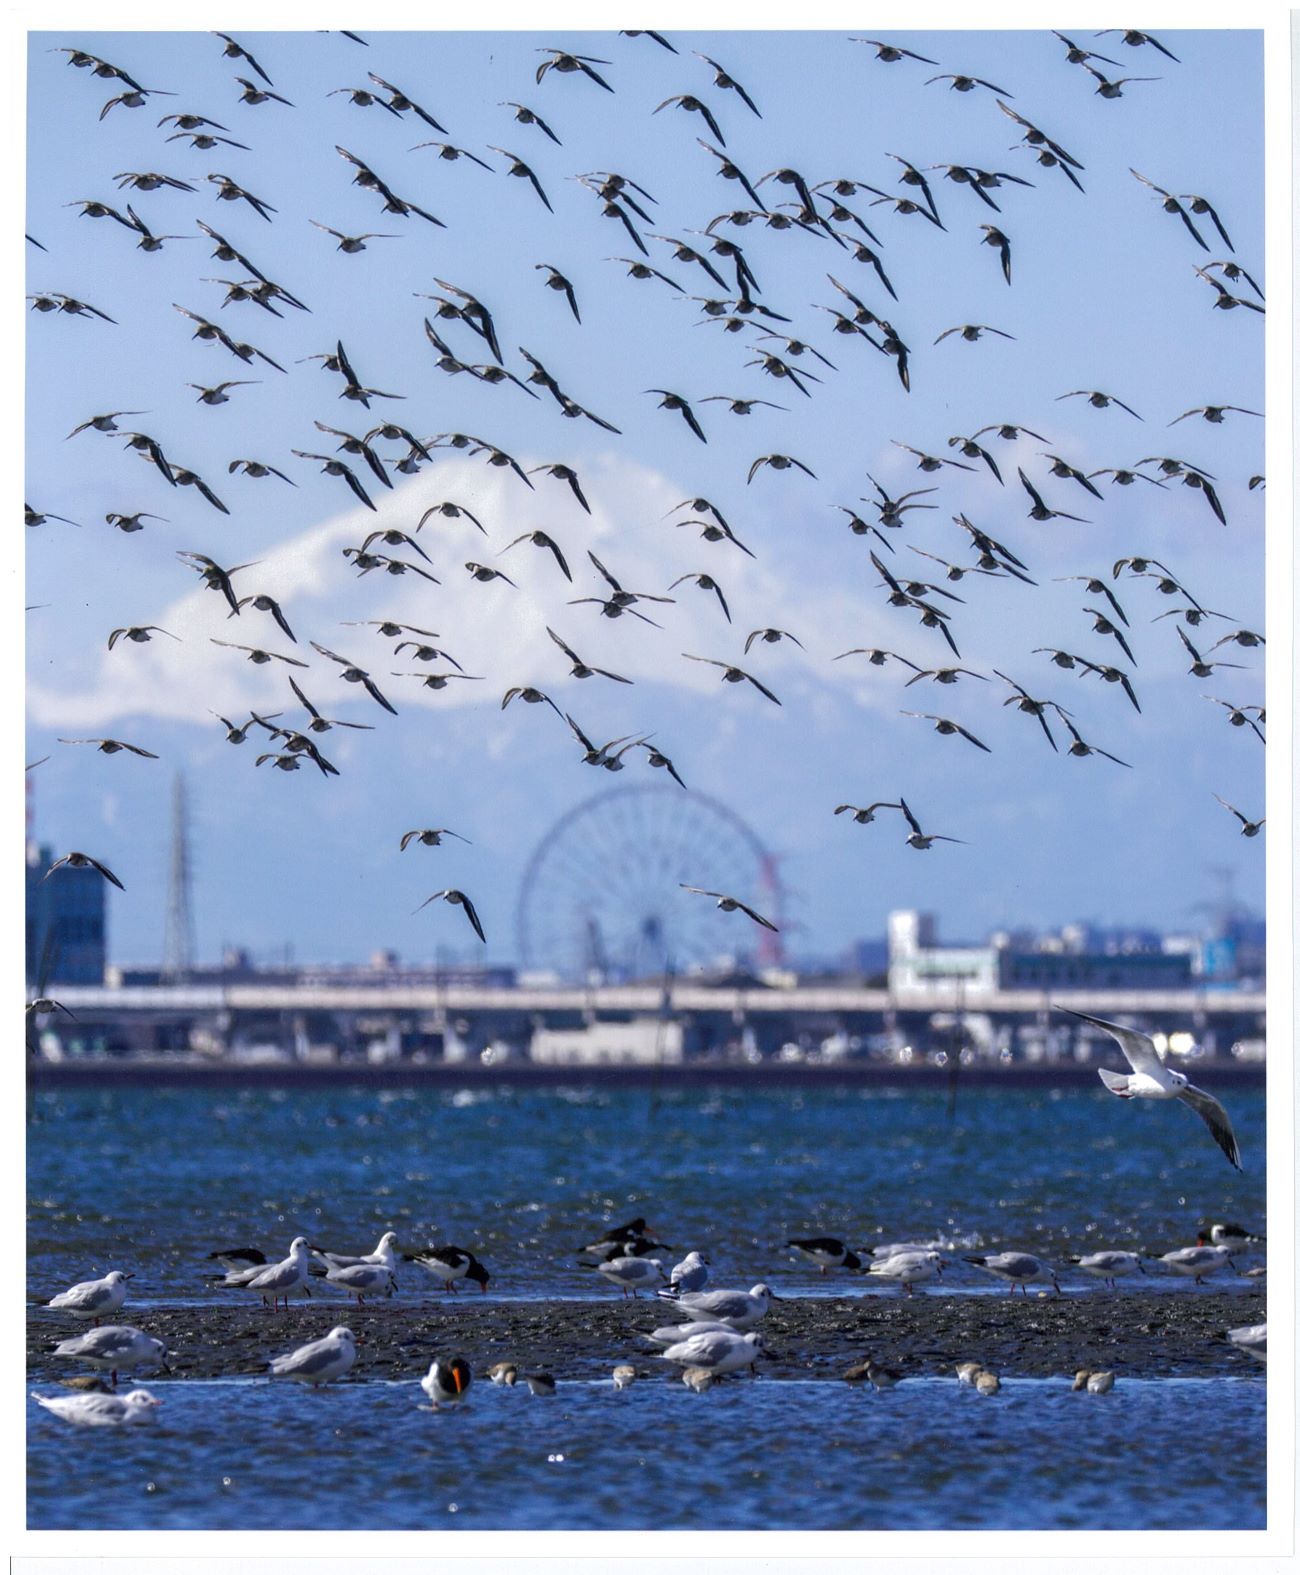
1168, 1333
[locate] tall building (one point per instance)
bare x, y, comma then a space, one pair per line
65, 923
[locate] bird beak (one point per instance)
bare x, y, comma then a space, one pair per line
128, 1276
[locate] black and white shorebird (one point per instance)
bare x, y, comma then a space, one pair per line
235, 1260
615, 1236
1150, 1078
447, 1382
1220, 1233
450, 1264
827, 1252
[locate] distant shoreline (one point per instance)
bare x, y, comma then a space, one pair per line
155, 1072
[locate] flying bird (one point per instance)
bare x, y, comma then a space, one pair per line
1249, 828
83, 861
730, 904
460, 900
733, 675
916, 838
1150, 1078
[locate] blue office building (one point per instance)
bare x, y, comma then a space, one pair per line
65, 923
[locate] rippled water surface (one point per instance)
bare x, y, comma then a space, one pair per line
151, 1181
750, 1454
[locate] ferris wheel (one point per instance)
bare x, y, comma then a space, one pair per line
601, 897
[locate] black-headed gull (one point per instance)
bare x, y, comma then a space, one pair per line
633, 1273
906, 1268
1019, 1268
320, 1361
92, 1298
739, 1309
1251, 1338
384, 1254
362, 1280
672, 1333
691, 1274
1108, 1266
278, 1279
95, 1410
1198, 1261
114, 1348
717, 1351
1152, 1079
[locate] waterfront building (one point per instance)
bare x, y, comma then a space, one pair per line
65, 923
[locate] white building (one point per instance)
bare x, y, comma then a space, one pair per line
643, 1041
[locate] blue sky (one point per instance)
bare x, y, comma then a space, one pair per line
1103, 296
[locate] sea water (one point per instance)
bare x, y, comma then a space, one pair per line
152, 1181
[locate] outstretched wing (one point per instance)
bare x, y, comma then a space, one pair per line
472, 915
1216, 1118
1139, 1051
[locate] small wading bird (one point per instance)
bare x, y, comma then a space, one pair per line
1152, 1079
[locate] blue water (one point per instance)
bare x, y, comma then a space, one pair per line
151, 1181
1166, 1454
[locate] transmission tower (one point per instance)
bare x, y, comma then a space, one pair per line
178, 933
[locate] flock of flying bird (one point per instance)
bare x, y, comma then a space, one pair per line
459, 327
716, 1333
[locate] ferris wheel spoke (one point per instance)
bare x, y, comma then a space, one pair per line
605, 886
